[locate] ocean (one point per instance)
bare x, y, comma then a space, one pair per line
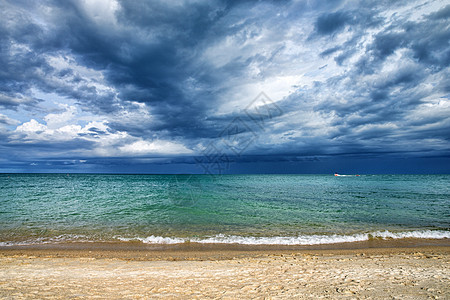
228, 209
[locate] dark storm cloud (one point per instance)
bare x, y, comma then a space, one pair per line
354, 22
24, 45
392, 95
426, 42
32, 152
330, 51
165, 74
333, 23
13, 102
7, 121
150, 60
375, 72
330, 23
442, 14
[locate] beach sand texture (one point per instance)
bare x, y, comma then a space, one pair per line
353, 274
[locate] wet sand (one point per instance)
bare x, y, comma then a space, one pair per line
111, 272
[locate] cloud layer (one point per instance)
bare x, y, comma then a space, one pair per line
83, 82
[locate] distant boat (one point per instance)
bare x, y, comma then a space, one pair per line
336, 174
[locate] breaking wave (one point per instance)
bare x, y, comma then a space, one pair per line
298, 240
245, 240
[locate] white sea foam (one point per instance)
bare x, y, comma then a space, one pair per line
324, 239
48, 240
155, 240
298, 240
249, 240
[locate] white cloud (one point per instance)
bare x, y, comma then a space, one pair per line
32, 126
101, 12
155, 147
33, 131
106, 142
69, 73
55, 121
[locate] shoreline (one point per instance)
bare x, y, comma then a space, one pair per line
195, 251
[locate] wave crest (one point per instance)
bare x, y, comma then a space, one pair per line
246, 240
298, 240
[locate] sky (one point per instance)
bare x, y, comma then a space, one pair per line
217, 87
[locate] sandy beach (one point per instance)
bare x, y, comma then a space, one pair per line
373, 273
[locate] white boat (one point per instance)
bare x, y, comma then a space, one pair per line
336, 174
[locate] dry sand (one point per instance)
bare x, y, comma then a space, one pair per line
420, 273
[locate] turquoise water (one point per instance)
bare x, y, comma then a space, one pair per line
247, 209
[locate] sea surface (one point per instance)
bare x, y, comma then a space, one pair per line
230, 209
